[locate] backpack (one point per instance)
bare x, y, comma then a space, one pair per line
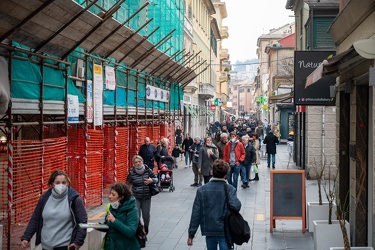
237, 226
140, 234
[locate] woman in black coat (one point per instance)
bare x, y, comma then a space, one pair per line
161, 150
271, 140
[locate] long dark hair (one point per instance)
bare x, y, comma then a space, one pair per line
56, 173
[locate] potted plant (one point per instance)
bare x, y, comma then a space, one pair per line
318, 210
328, 233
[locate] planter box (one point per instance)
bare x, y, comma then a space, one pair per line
355, 248
328, 235
318, 212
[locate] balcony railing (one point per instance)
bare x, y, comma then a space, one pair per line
224, 32
224, 54
206, 90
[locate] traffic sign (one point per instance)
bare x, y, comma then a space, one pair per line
213, 107
218, 102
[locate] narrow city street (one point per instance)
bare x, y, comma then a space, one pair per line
171, 211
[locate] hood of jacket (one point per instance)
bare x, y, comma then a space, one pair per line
128, 204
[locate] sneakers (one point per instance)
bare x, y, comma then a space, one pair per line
186, 166
194, 184
200, 184
245, 185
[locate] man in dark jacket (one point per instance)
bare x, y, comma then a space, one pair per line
209, 208
270, 140
178, 134
186, 144
194, 149
221, 144
250, 158
147, 152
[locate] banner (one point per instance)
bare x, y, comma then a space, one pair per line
157, 94
98, 95
89, 111
73, 109
110, 78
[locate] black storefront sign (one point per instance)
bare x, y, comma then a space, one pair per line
318, 93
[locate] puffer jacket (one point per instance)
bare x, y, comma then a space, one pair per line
250, 155
121, 233
77, 211
209, 208
140, 190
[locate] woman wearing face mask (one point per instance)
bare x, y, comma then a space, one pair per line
56, 217
207, 155
122, 219
140, 177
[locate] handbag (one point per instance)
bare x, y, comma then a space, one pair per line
154, 190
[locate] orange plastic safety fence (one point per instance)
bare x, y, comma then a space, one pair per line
122, 154
109, 156
32, 163
94, 167
76, 158
153, 132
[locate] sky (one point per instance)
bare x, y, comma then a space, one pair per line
249, 19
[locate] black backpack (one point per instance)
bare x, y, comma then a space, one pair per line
140, 234
237, 226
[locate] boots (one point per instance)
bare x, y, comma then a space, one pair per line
146, 230
256, 178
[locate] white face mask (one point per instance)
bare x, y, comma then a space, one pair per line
60, 188
233, 139
115, 204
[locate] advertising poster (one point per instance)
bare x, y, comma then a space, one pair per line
110, 78
73, 109
318, 93
157, 94
89, 111
98, 95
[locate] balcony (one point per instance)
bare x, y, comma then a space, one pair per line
224, 54
206, 91
223, 76
224, 32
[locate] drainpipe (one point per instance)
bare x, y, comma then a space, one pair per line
323, 134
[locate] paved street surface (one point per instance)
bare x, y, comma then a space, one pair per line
171, 211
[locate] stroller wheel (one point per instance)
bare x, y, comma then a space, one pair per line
160, 189
173, 189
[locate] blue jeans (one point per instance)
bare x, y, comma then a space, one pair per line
245, 173
269, 159
213, 241
187, 158
234, 171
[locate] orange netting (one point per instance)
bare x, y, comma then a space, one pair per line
32, 163
76, 158
137, 135
109, 156
122, 153
153, 131
94, 173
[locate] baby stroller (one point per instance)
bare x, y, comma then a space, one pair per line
165, 174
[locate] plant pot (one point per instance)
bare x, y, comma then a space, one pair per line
318, 212
355, 248
328, 235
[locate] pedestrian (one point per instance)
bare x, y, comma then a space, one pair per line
207, 155
220, 145
259, 130
256, 144
147, 152
176, 153
188, 141
178, 133
209, 209
161, 150
140, 178
122, 219
57, 216
194, 149
234, 154
271, 140
250, 158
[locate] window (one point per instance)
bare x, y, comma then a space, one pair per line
248, 90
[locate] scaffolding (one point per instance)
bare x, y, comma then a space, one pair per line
55, 119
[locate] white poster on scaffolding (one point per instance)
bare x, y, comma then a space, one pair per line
110, 78
98, 95
89, 111
73, 109
157, 94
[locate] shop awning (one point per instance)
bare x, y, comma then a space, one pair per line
286, 98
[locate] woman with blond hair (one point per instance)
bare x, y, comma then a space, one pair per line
161, 150
140, 177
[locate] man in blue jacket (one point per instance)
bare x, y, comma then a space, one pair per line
147, 152
209, 208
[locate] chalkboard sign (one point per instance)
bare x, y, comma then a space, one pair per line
288, 196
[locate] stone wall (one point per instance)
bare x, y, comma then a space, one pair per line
321, 140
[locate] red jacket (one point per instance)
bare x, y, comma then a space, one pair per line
239, 151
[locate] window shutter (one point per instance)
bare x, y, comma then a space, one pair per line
322, 39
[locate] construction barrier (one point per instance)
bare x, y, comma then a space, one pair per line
93, 159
